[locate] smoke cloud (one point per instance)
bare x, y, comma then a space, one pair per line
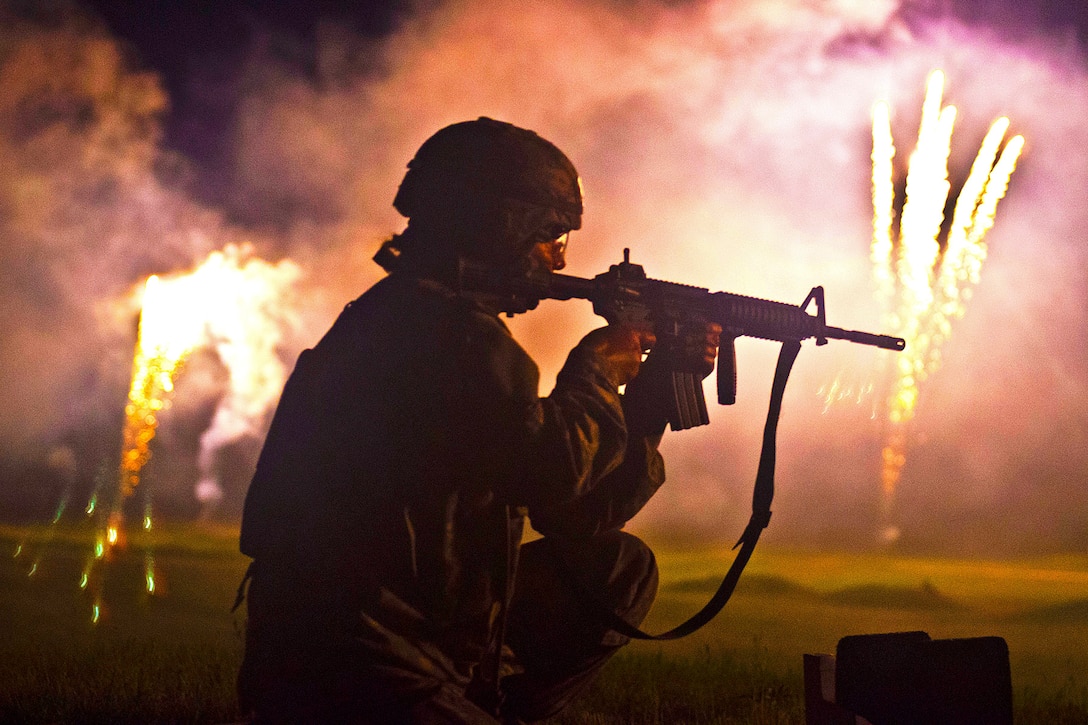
725, 143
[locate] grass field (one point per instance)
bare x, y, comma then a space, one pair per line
171, 655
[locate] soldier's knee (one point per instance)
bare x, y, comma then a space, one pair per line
637, 578
618, 566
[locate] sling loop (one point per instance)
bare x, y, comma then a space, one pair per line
762, 495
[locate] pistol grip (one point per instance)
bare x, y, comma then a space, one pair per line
727, 370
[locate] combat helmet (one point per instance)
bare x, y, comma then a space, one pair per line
503, 186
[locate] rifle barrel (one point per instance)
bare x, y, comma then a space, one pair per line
886, 342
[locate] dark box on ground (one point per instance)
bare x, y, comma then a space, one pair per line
906, 678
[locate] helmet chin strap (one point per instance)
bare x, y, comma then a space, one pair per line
390, 257
503, 234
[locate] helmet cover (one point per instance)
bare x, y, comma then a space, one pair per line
492, 159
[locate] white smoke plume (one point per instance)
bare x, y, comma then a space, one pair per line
727, 144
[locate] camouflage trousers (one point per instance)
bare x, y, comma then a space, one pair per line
555, 646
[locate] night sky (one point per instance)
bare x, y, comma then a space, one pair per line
196, 47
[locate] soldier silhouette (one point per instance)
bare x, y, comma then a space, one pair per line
389, 582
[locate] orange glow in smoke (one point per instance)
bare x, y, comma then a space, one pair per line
923, 283
226, 303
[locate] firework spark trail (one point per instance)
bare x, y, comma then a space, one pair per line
931, 286
965, 252
883, 157
840, 390
167, 335
60, 459
927, 190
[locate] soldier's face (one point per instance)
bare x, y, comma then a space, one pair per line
552, 254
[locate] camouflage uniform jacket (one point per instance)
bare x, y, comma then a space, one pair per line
379, 506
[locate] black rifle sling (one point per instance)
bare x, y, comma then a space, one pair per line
762, 495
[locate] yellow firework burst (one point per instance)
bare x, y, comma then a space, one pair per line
925, 281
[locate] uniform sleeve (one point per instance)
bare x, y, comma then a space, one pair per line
567, 457
612, 500
533, 451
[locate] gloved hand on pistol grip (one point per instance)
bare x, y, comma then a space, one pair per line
619, 348
648, 397
700, 348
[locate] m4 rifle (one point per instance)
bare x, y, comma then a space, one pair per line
624, 294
